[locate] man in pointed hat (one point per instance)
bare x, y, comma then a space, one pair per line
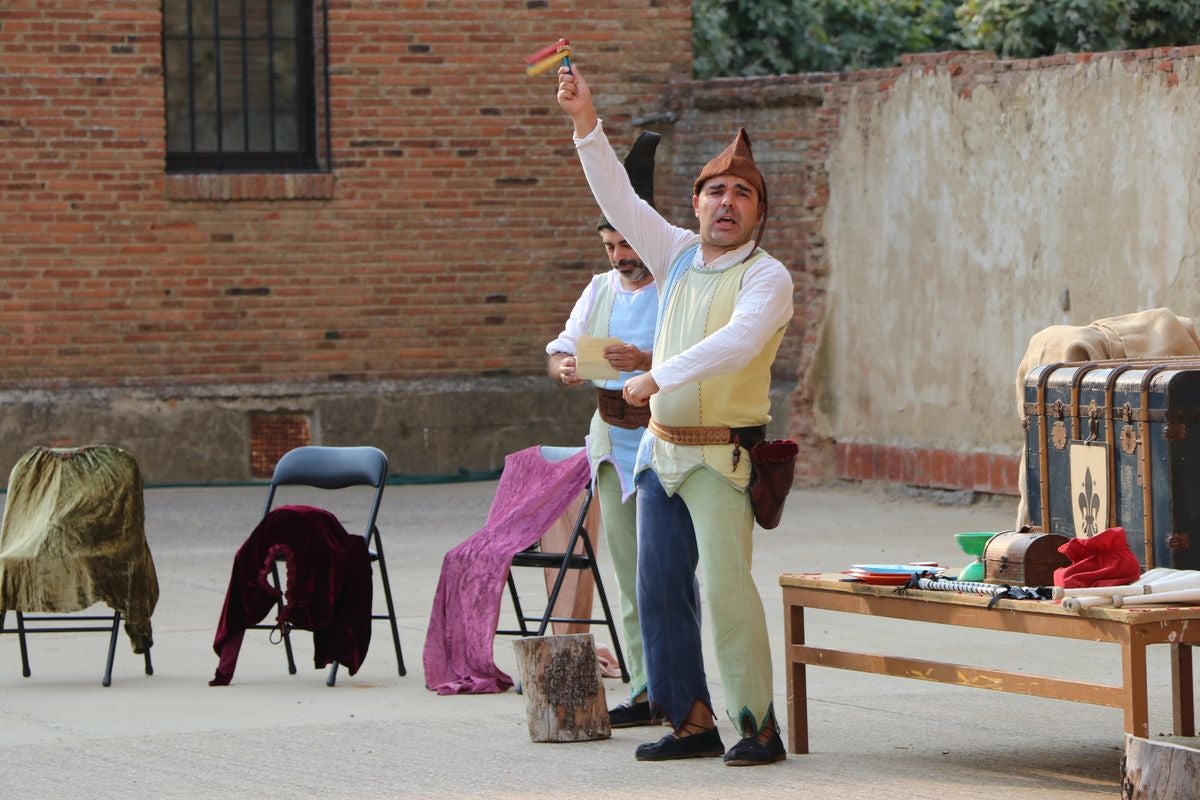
619, 303
724, 306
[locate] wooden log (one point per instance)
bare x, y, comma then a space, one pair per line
564, 695
1159, 770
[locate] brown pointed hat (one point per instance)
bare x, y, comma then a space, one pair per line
639, 164
736, 159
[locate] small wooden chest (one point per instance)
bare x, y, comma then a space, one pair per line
1023, 558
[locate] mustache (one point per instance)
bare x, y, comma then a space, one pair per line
629, 262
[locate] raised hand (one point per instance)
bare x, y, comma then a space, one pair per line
575, 98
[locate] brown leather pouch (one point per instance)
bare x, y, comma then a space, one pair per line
616, 412
774, 466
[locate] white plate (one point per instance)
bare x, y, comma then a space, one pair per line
894, 569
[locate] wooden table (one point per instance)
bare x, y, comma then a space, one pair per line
1133, 629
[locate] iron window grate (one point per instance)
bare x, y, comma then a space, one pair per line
247, 85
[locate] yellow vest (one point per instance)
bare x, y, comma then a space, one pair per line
699, 303
599, 441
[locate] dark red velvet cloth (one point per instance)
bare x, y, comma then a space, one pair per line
1101, 560
327, 589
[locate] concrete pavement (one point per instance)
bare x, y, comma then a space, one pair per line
378, 735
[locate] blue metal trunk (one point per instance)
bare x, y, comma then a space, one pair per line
1117, 443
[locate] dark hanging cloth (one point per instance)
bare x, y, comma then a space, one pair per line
327, 588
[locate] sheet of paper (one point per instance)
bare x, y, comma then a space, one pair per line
590, 363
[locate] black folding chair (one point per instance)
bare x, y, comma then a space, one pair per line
338, 468
37, 624
572, 557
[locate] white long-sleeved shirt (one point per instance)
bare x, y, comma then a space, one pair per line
763, 306
567, 339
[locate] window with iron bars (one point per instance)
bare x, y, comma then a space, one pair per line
247, 85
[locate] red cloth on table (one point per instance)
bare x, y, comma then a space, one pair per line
1101, 560
327, 591
531, 495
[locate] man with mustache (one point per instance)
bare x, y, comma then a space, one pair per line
619, 303
724, 306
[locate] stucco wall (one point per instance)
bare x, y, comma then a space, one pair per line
967, 207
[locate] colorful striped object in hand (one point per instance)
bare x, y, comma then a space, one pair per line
548, 57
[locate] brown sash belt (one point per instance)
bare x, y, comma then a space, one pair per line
772, 464
616, 412
746, 437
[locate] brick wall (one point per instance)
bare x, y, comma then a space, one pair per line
988, 473
401, 300
450, 239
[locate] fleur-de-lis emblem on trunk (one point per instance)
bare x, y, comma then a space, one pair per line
1089, 505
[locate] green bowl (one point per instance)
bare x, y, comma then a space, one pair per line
973, 543
972, 572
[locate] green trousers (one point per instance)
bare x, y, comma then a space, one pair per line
707, 525
620, 531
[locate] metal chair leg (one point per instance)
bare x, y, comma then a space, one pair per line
112, 648
287, 639
387, 596
512, 591
24, 653
24, 647
552, 598
578, 532
568, 551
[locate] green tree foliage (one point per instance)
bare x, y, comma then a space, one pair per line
1028, 28
770, 37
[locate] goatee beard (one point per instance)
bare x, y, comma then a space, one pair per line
635, 273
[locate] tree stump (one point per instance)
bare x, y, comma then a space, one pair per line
1159, 770
564, 694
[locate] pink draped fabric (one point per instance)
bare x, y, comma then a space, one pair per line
532, 494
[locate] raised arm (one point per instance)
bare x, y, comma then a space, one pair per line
655, 239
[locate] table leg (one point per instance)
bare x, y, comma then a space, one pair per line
1133, 676
797, 686
1182, 703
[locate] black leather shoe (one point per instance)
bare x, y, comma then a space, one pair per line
669, 747
630, 714
750, 752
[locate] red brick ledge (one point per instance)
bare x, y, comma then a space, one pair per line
937, 469
251, 186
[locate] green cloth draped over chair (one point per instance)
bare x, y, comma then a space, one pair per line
74, 535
